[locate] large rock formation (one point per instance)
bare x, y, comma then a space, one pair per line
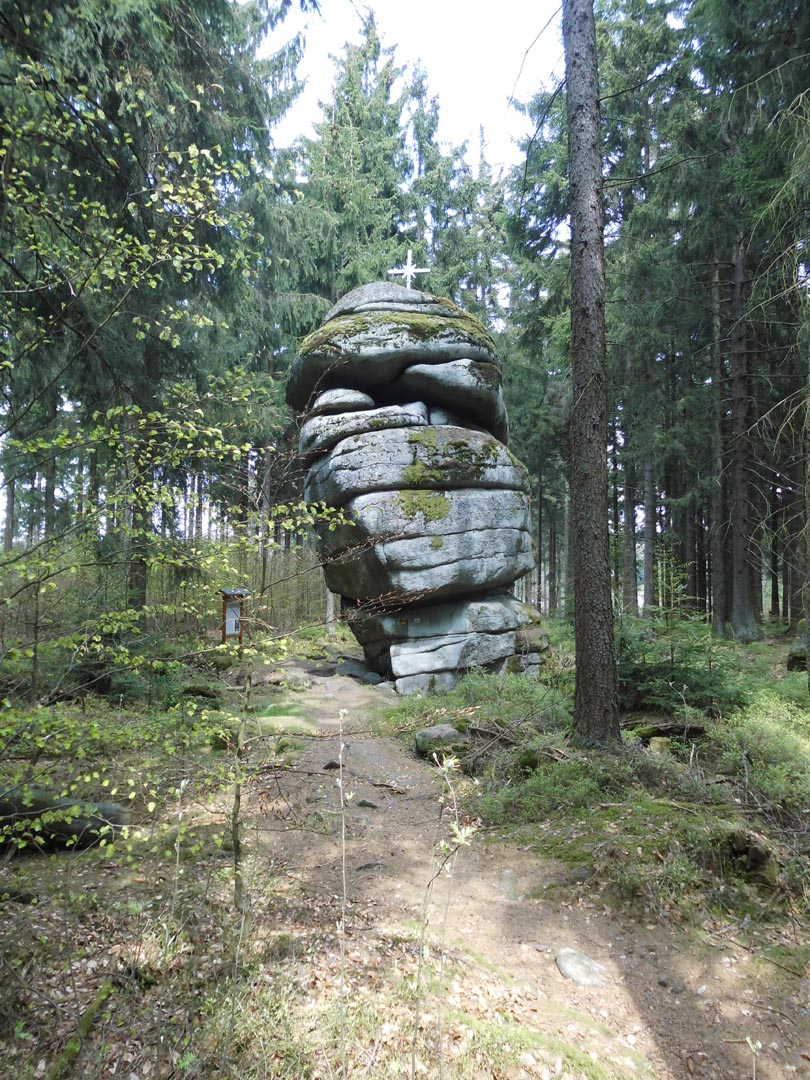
405, 432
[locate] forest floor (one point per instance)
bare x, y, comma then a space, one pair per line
372, 946
674, 1002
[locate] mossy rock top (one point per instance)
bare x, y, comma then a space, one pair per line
380, 333
368, 348
389, 296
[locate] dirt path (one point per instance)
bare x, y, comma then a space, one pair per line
671, 1006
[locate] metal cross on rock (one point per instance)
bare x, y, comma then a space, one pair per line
409, 270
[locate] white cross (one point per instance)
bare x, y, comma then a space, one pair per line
409, 271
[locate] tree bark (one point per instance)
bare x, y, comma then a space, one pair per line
198, 507
9, 524
538, 595
794, 548
553, 579
595, 698
49, 470
793, 506
629, 583
690, 556
568, 569
650, 518
774, 559
743, 621
701, 575
718, 502
806, 518
785, 583
616, 529
142, 489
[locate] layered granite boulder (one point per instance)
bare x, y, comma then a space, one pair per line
404, 430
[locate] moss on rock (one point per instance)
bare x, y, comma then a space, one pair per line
334, 337
432, 505
426, 437
419, 475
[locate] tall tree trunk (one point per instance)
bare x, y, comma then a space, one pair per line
568, 569
614, 540
793, 504
806, 532
701, 583
663, 569
718, 503
49, 470
629, 583
774, 527
33, 510
743, 621
9, 524
690, 555
142, 488
140, 533
755, 556
198, 507
93, 501
794, 548
79, 489
553, 574
650, 515
538, 596
785, 589
595, 696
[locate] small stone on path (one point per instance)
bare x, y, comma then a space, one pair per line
439, 737
580, 969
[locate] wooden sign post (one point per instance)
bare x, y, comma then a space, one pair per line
232, 601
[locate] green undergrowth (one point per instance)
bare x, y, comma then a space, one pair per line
666, 664
139, 759
316, 642
714, 816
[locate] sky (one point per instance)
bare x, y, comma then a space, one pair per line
477, 54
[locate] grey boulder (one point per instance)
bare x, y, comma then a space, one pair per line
440, 737
341, 400
406, 436
400, 459
450, 652
468, 385
423, 545
322, 432
389, 296
368, 351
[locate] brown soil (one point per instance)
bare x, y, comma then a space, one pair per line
677, 1003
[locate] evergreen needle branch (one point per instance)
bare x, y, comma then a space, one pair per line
618, 181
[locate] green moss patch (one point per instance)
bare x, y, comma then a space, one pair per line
432, 505
419, 475
424, 436
336, 335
